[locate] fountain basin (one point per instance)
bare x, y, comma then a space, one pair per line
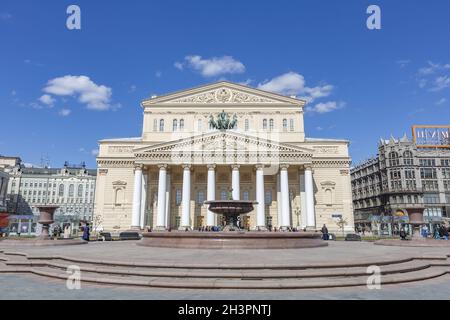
231, 210
233, 240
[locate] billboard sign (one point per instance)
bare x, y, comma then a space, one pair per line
431, 136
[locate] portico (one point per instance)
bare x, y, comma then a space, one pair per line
215, 142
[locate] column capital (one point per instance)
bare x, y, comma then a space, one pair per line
259, 166
284, 166
138, 166
163, 166
211, 166
186, 167
235, 166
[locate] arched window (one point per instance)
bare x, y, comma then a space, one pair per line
328, 197
291, 124
393, 159
71, 190
80, 191
285, 125
181, 124
61, 190
119, 196
155, 125
247, 125
175, 125
271, 125
161, 125
408, 158
265, 124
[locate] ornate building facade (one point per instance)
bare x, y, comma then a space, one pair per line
402, 178
202, 143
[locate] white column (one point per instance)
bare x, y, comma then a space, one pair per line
302, 200
160, 218
143, 199
210, 216
137, 193
168, 190
285, 207
186, 199
260, 207
309, 190
279, 215
235, 182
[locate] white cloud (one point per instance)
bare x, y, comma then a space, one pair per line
47, 100
319, 128
65, 112
158, 74
96, 97
293, 83
212, 67
441, 83
432, 68
132, 88
94, 152
14, 93
441, 101
178, 65
326, 107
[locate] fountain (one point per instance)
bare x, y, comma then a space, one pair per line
231, 210
232, 237
46, 214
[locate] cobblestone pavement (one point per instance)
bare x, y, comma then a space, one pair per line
339, 252
31, 287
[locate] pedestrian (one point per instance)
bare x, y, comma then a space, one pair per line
445, 232
325, 233
86, 232
403, 234
67, 231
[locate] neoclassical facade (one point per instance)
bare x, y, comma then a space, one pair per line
259, 152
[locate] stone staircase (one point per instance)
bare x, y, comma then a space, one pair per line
227, 276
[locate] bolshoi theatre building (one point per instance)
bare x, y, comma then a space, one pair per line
219, 141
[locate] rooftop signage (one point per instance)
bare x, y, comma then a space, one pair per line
431, 136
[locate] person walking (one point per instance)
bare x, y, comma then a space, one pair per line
67, 231
86, 232
403, 234
325, 233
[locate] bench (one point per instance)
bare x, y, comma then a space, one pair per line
352, 237
129, 236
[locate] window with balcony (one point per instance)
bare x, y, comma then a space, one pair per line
431, 198
393, 159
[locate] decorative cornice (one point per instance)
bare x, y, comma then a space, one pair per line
116, 163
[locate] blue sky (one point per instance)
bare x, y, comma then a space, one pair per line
63, 90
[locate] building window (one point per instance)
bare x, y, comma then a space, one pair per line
268, 197
445, 162
265, 124
408, 158
246, 196
431, 198
224, 195
427, 162
161, 125
285, 125
291, 124
155, 125
199, 125
247, 125
61, 190
428, 173
393, 159
175, 125
181, 124
178, 197
71, 190
271, 125
80, 190
200, 197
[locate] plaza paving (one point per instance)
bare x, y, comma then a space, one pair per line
27, 286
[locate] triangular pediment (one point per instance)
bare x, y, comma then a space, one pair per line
223, 93
224, 147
